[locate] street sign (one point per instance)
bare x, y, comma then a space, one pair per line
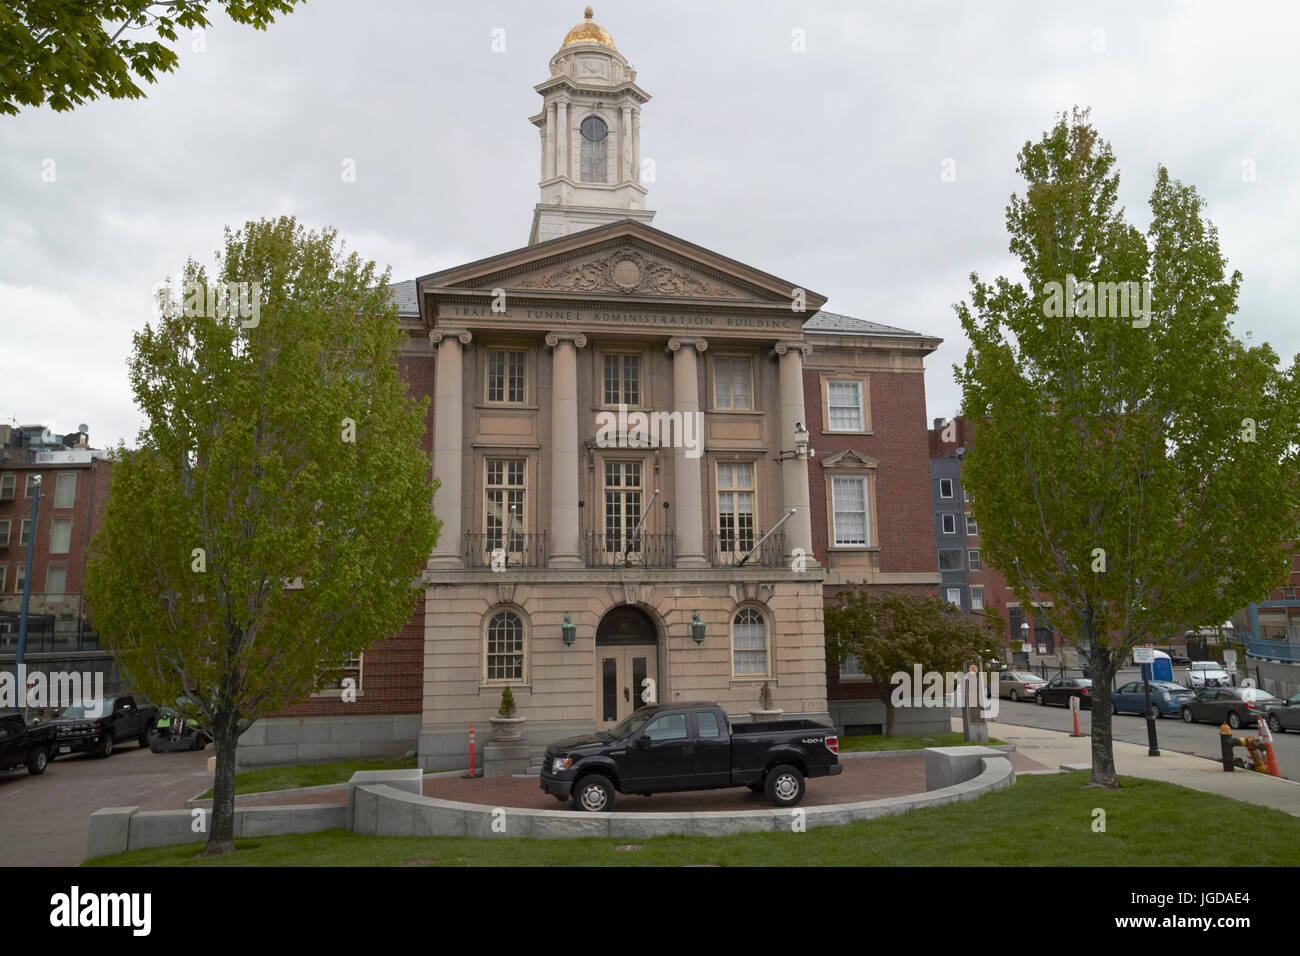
1230, 658
1144, 655
1042, 648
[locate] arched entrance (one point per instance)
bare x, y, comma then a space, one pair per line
627, 663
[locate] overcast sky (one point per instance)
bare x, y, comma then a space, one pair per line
823, 167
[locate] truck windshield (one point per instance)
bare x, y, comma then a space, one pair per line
630, 724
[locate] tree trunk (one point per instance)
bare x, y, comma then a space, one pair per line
1102, 671
889, 719
221, 833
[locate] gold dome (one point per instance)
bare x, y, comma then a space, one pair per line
588, 32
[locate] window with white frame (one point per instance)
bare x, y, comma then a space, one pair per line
60, 535
851, 667
736, 506
949, 524
65, 489
844, 406
505, 376
954, 596
623, 496
351, 669
56, 580
977, 599
749, 643
973, 559
7, 483
622, 379
24, 532
731, 383
505, 647
851, 510
972, 528
945, 487
4, 532
504, 499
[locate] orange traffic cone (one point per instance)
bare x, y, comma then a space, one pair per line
1266, 739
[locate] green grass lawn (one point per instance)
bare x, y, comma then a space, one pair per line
309, 775
1044, 820
850, 745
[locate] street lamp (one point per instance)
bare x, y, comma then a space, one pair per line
697, 629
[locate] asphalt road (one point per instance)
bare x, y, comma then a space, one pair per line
1171, 732
45, 820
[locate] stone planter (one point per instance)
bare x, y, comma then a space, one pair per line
760, 715
507, 728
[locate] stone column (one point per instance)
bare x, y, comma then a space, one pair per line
549, 172
448, 445
562, 139
625, 144
636, 146
794, 472
688, 464
565, 541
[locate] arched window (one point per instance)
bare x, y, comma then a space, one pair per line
595, 137
749, 643
505, 647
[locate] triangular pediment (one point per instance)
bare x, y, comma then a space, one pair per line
626, 261
848, 458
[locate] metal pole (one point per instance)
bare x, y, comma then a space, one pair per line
637, 530
1153, 746
19, 676
751, 551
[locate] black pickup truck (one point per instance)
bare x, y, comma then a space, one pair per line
95, 727
673, 747
20, 744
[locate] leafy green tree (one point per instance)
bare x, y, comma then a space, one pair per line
63, 52
1132, 457
276, 516
892, 631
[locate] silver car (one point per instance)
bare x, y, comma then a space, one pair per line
1019, 685
1285, 716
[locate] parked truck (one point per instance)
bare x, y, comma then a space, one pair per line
674, 747
22, 745
96, 727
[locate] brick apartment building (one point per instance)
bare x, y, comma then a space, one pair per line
576, 569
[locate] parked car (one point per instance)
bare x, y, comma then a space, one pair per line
1018, 685
1285, 716
672, 747
175, 730
1060, 690
1207, 674
22, 745
120, 719
1166, 698
1235, 706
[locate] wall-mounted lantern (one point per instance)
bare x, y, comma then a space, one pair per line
697, 628
569, 630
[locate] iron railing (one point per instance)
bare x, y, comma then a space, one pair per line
648, 549
747, 550
516, 550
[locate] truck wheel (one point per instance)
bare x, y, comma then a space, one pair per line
105, 746
595, 794
37, 761
784, 785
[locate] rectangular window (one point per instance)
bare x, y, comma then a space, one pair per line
24, 532
622, 380
1016, 617
4, 534
65, 489
3, 569
954, 596
731, 383
56, 580
351, 670
977, 599
851, 667
844, 405
973, 560
20, 577
6, 487
623, 504
505, 376
504, 504
707, 724
949, 524
852, 522
736, 507
60, 535
945, 487
32, 484
972, 528
965, 496
950, 559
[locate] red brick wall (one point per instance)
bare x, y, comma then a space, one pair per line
87, 514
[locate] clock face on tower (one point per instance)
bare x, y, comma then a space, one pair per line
594, 129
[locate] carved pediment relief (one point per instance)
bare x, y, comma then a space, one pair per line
629, 272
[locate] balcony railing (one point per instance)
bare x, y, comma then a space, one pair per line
1274, 650
516, 550
649, 549
728, 550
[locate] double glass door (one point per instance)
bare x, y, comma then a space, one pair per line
624, 673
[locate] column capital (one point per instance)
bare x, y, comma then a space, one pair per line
462, 335
676, 342
803, 348
555, 338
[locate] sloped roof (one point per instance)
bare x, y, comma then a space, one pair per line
835, 324
403, 293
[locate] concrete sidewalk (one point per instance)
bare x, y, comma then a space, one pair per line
1054, 748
